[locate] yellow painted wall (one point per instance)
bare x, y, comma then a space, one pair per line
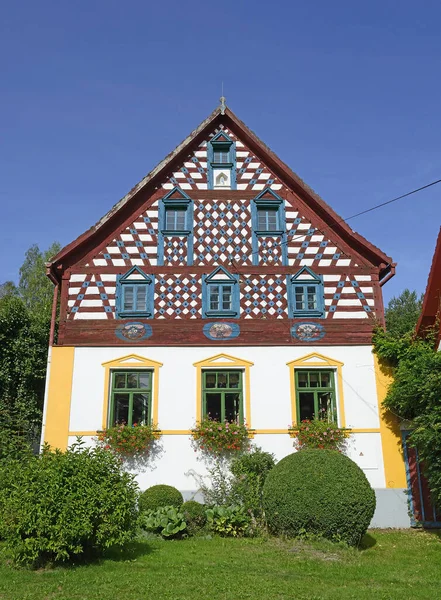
394, 469
59, 395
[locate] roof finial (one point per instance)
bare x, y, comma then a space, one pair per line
223, 101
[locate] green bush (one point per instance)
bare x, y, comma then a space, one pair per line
158, 496
228, 521
195, 515
249, 473
62, 505
320, 492
168, 521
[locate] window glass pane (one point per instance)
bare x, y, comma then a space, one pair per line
214, 297
180, 219
222, 380
306, 405
141, 297
144, 380
302, 379
232, 407
213, 406
119, 380
261, 220
312, 297
272, 220
220, 157
169, 219
140, 409
325, 406
314, 379
132, 380
121, 411
128, 297
234, 380
299, 297
210, 380
226, 297
325, 378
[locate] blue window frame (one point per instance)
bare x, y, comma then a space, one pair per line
220, 294
134, 294
306, 294
221, 162
268, 219
176, 219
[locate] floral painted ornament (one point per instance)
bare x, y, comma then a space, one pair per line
133, 331
308, 332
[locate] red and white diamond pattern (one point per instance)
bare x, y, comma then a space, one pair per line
264, 297
222, 232
270, 250
175, 251
307, 246
136, 245
178, 297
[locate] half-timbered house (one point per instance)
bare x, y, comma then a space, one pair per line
222, 284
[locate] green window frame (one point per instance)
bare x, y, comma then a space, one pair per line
222, 395
131, 397
315, 394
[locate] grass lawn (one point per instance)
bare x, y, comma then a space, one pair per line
391, 564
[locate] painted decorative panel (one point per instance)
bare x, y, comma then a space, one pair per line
270, 250
175, 250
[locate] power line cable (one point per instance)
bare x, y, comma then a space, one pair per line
363, 212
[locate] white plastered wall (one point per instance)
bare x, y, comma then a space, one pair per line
270, 398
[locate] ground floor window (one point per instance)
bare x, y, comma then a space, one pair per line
131, 397
222, 395
315, 394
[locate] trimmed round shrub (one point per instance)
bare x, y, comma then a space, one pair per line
320, 492
195, 515
65, 505
158, 496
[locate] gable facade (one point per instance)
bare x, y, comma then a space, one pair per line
237, 286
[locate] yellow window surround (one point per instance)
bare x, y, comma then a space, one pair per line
131, 361
314, 361
223, 361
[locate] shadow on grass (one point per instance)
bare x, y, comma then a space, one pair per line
436, 532
367, 541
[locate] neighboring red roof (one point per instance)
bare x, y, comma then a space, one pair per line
97, 234
432, 297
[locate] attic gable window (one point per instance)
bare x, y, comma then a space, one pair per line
306, 294
175, 213
134, 294
220, 294
221, 162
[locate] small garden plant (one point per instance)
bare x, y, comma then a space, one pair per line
319, 434
168, 521
129, 440
215, 438
159, 496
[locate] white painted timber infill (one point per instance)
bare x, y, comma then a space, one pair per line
363, 277
331, 277
78, 277
325, 262
349, 302
343, 262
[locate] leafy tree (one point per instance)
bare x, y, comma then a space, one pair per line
8, 289
34, 287
402, 313
25, 313
415, 394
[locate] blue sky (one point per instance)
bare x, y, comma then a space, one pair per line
94, 94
